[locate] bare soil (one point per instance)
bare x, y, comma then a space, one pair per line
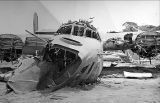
112, 88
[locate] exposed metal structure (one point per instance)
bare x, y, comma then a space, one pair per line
73, 57
10, 47
145, 44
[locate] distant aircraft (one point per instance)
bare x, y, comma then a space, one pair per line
73, 57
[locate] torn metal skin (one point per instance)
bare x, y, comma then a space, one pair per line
71, 58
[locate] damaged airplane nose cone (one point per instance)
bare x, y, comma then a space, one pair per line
70, 59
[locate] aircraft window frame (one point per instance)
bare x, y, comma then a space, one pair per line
81, 31
98, 37
94, 35
64, 32
77, 30
90, 35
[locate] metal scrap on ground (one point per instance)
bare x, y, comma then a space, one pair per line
137, 75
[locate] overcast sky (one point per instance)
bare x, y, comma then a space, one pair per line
109, 15
16, 16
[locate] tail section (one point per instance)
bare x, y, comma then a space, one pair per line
35, 22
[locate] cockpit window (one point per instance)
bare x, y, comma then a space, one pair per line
75, 32
78, 31
88, 33
81, 31
98, 37
65, 30
94, 35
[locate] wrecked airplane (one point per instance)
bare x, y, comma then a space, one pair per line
144, 44
147, 44
73, 57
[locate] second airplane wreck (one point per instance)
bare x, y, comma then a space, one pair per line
144, 43
73, 57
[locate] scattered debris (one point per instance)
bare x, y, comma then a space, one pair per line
113, 64
10, 47
137, 75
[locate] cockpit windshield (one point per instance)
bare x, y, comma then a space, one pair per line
79, 29
65, 30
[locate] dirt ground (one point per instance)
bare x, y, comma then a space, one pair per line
112, 88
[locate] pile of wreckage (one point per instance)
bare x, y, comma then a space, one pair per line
147, 44
144, 44
10, 47
69, 59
